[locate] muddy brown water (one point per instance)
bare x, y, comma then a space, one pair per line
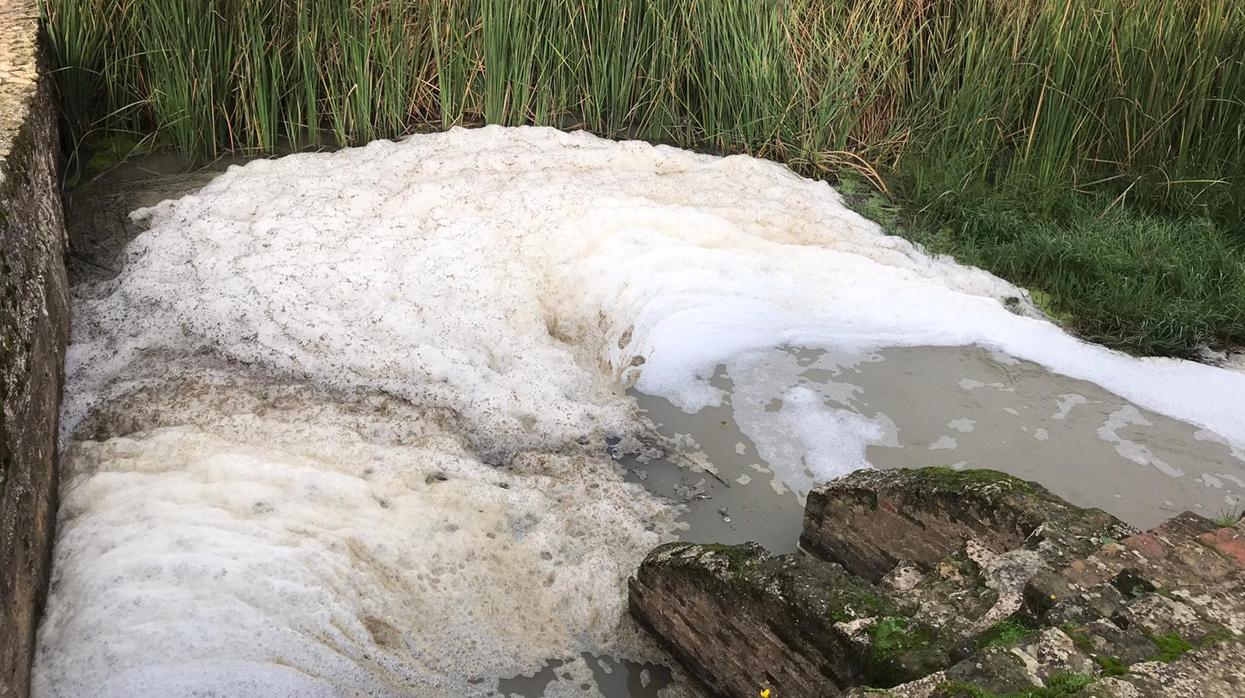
960, 407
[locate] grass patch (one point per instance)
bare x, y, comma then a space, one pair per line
1110, 666
1171, 647
900, 650
1107, 664
1228, 519
894, 635
1044, 96
1142, 282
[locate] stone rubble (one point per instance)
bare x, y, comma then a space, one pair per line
934, 582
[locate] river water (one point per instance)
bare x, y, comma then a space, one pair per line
402, 419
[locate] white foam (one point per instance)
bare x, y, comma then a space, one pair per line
496, 271
964, 425
806, 440
1236, 451
1066, 403
1129, 416
318, 550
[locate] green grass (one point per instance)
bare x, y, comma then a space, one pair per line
1109, 665
1227, 519
1143, 282
1171, 647
1056, 142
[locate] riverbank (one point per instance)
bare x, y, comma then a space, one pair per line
1145, 283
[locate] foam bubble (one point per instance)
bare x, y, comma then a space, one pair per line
1129, 416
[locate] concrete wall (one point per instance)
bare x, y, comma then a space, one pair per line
33, 330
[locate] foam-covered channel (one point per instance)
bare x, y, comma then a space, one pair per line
358, 423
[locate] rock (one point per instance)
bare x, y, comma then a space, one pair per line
1173, 578
1214, 672
33, 329
904, 577
1054, 653
995, 670
742, 620
870, 520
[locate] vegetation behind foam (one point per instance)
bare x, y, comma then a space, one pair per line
1091, 150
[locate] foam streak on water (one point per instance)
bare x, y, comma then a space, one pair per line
500, 287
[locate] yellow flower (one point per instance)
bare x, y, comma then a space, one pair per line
764, 693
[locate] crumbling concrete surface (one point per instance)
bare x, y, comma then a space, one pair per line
933, 582
33, 331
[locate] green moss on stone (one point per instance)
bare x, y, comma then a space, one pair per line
1006, 633
976, 479
958, 689
901, 649
891, 636
1110, 666
1215, 637
1171, 646
1079, 639
1067, 683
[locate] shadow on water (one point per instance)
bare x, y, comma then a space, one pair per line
610, 677
738, 501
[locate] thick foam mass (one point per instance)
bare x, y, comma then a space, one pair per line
325, 547
513, 274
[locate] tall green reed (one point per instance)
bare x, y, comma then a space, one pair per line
1140, 100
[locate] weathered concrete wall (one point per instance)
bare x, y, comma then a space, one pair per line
33, 330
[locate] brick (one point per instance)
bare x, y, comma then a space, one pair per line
1228, 542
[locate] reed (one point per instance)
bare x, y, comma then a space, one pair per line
1143, 99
